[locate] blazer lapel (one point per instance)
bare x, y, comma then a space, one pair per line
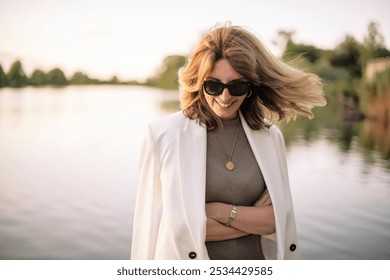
192, 176
267, 156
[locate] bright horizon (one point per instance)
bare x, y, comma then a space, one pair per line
130, 38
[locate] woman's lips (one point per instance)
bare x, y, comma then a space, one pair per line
224, 105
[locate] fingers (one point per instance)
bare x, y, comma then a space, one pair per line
264, 200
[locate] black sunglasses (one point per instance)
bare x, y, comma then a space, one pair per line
236, 88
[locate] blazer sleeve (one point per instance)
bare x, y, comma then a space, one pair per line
148, 202
291, 244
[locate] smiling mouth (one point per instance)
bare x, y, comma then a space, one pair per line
224, 105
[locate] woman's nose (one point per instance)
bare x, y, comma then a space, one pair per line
225, 95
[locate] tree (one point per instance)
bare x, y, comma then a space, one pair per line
56, 77
374, 39
347, 55
16, 75
3, 78
374, 44
329, 72
79, 78
166, 76
293, 50
283, 38
114, 80
38, 78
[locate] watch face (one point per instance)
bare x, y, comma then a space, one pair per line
233, 212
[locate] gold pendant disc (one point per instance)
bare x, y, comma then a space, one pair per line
229, 165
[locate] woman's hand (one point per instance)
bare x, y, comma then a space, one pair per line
215, 231
218, 211
264, 199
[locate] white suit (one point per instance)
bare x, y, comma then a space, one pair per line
170, 217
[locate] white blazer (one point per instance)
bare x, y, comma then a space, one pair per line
170, 218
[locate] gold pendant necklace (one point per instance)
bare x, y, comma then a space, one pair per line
229, 165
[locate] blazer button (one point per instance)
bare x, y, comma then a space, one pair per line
293, 247
192, 255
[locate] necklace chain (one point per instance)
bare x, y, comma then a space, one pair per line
229, 165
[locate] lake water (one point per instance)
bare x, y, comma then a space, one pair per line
68, 173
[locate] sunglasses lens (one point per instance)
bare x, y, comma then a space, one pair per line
239, 88
235, 88
213, 87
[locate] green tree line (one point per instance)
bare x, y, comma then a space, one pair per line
344, 69
16, 77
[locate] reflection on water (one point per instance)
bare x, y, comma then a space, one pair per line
68, 173
376, 136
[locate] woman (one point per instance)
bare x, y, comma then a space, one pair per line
213, 178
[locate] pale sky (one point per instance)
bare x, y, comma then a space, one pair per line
130, 38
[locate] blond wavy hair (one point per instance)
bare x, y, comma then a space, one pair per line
279, 91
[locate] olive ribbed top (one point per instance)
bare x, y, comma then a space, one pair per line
241, 186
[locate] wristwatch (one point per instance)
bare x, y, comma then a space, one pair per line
232, 215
